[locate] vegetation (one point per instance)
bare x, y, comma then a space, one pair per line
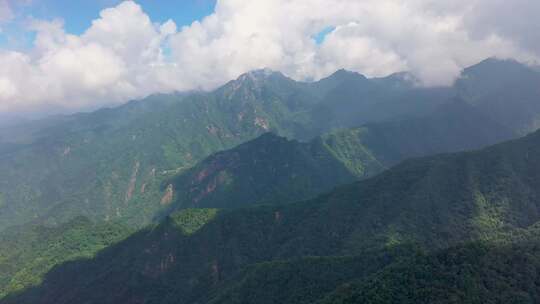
406, 223
265, 170
449, 228
471, 273
273, 169
191, 220
111, 164
28, 252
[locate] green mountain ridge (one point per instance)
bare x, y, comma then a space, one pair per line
429, 204
96, 164
110, 164
274, 169
471, 273
28, 252
127, 167
268, 169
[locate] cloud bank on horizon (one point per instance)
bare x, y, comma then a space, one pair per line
125, 55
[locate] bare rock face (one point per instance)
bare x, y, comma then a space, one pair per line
132, 182
168, 197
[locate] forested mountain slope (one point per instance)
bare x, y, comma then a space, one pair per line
430, 204
109, 164
274, 169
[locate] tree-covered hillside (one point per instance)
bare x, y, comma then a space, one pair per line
29, 252
269, 170
273, 169
419, 210
110, 164
470, 273
266, 170
142, 161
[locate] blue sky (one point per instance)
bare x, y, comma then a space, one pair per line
78, 15
319, 38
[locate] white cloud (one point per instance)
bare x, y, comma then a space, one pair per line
125, 55
374, 37
118, 58
516, 20
348, 46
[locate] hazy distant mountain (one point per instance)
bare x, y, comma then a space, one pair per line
358, 100
10, 120
454, 126
507, 91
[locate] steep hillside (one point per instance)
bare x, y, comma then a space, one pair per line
274, 169
350, 100
451, 127
267, 169
433, 203
112, 163
109, 164
471, 273
29, 252
478, 272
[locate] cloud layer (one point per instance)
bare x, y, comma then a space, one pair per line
124, 55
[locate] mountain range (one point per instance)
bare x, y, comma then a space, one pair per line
424, 222
111, 164
273, 169
343, 188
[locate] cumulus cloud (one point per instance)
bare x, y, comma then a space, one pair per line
374, 37
515, 20
119, 57
124, 55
